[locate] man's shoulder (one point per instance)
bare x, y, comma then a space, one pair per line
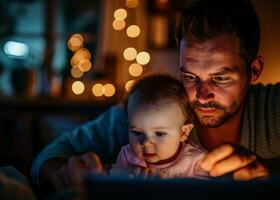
115, 111
260, 87
268, 92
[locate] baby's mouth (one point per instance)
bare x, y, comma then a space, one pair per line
147, 155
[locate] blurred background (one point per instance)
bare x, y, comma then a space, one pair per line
64, 62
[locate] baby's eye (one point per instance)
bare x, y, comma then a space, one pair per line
160, 133
136, 133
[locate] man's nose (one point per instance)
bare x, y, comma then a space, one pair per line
204, 92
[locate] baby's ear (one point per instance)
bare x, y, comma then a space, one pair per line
185, 131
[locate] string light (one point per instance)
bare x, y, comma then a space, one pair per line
75, 42
135, 69
109, 90
129, 84
78, 87
118, 24
76, 73
84, 65
143, 58
133, 31
120, 14
131, 3
130, 53
79, 56
97, 90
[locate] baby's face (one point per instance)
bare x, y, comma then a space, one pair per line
155, 133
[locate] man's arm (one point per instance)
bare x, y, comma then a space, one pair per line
105, 135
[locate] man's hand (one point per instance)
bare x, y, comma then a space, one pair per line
72, 174
243, 164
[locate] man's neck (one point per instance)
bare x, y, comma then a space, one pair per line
229, 132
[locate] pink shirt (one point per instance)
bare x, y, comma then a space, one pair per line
185, 165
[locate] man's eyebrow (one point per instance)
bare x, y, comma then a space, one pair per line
226, 69
183, 70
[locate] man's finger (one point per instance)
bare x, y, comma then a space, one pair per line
215, 156
253, 171
92, 162
230, 164
74, 172
58, 180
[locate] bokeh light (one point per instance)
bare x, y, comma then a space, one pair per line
75, 42
80, 55
130, 53
84, 65
78, 87
118, 24
132, 3
120, 14
162, 1
129, 84
109, 90
143, 58
135, 69
76, 73
133, 31
97, 90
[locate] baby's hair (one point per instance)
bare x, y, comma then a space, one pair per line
157, 90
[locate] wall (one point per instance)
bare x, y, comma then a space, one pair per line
269, 14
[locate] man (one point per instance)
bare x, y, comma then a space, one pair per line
237, 123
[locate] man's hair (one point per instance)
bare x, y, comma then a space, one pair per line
158, 89
205, 19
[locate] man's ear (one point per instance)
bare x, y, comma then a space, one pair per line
256, 68
185, 131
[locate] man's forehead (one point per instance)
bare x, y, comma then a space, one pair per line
224, 42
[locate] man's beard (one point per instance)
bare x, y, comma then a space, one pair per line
221, 115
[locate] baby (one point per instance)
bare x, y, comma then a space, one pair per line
159, 126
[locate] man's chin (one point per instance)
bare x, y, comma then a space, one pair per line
211, 122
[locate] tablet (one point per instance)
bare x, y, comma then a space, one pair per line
104, 187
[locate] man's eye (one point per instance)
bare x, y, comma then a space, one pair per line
160, 133
189, 77
221, 79
136, 133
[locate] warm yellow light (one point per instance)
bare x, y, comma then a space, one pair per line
80, 55
120, 14
129, 53
75, 42
135, 69
78, 87
78, 35
163, 1
76, 73
131, 3
97, 90
129, 84
84, 65
143, 58
118, 24
133, 31
109, 90
74, 63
